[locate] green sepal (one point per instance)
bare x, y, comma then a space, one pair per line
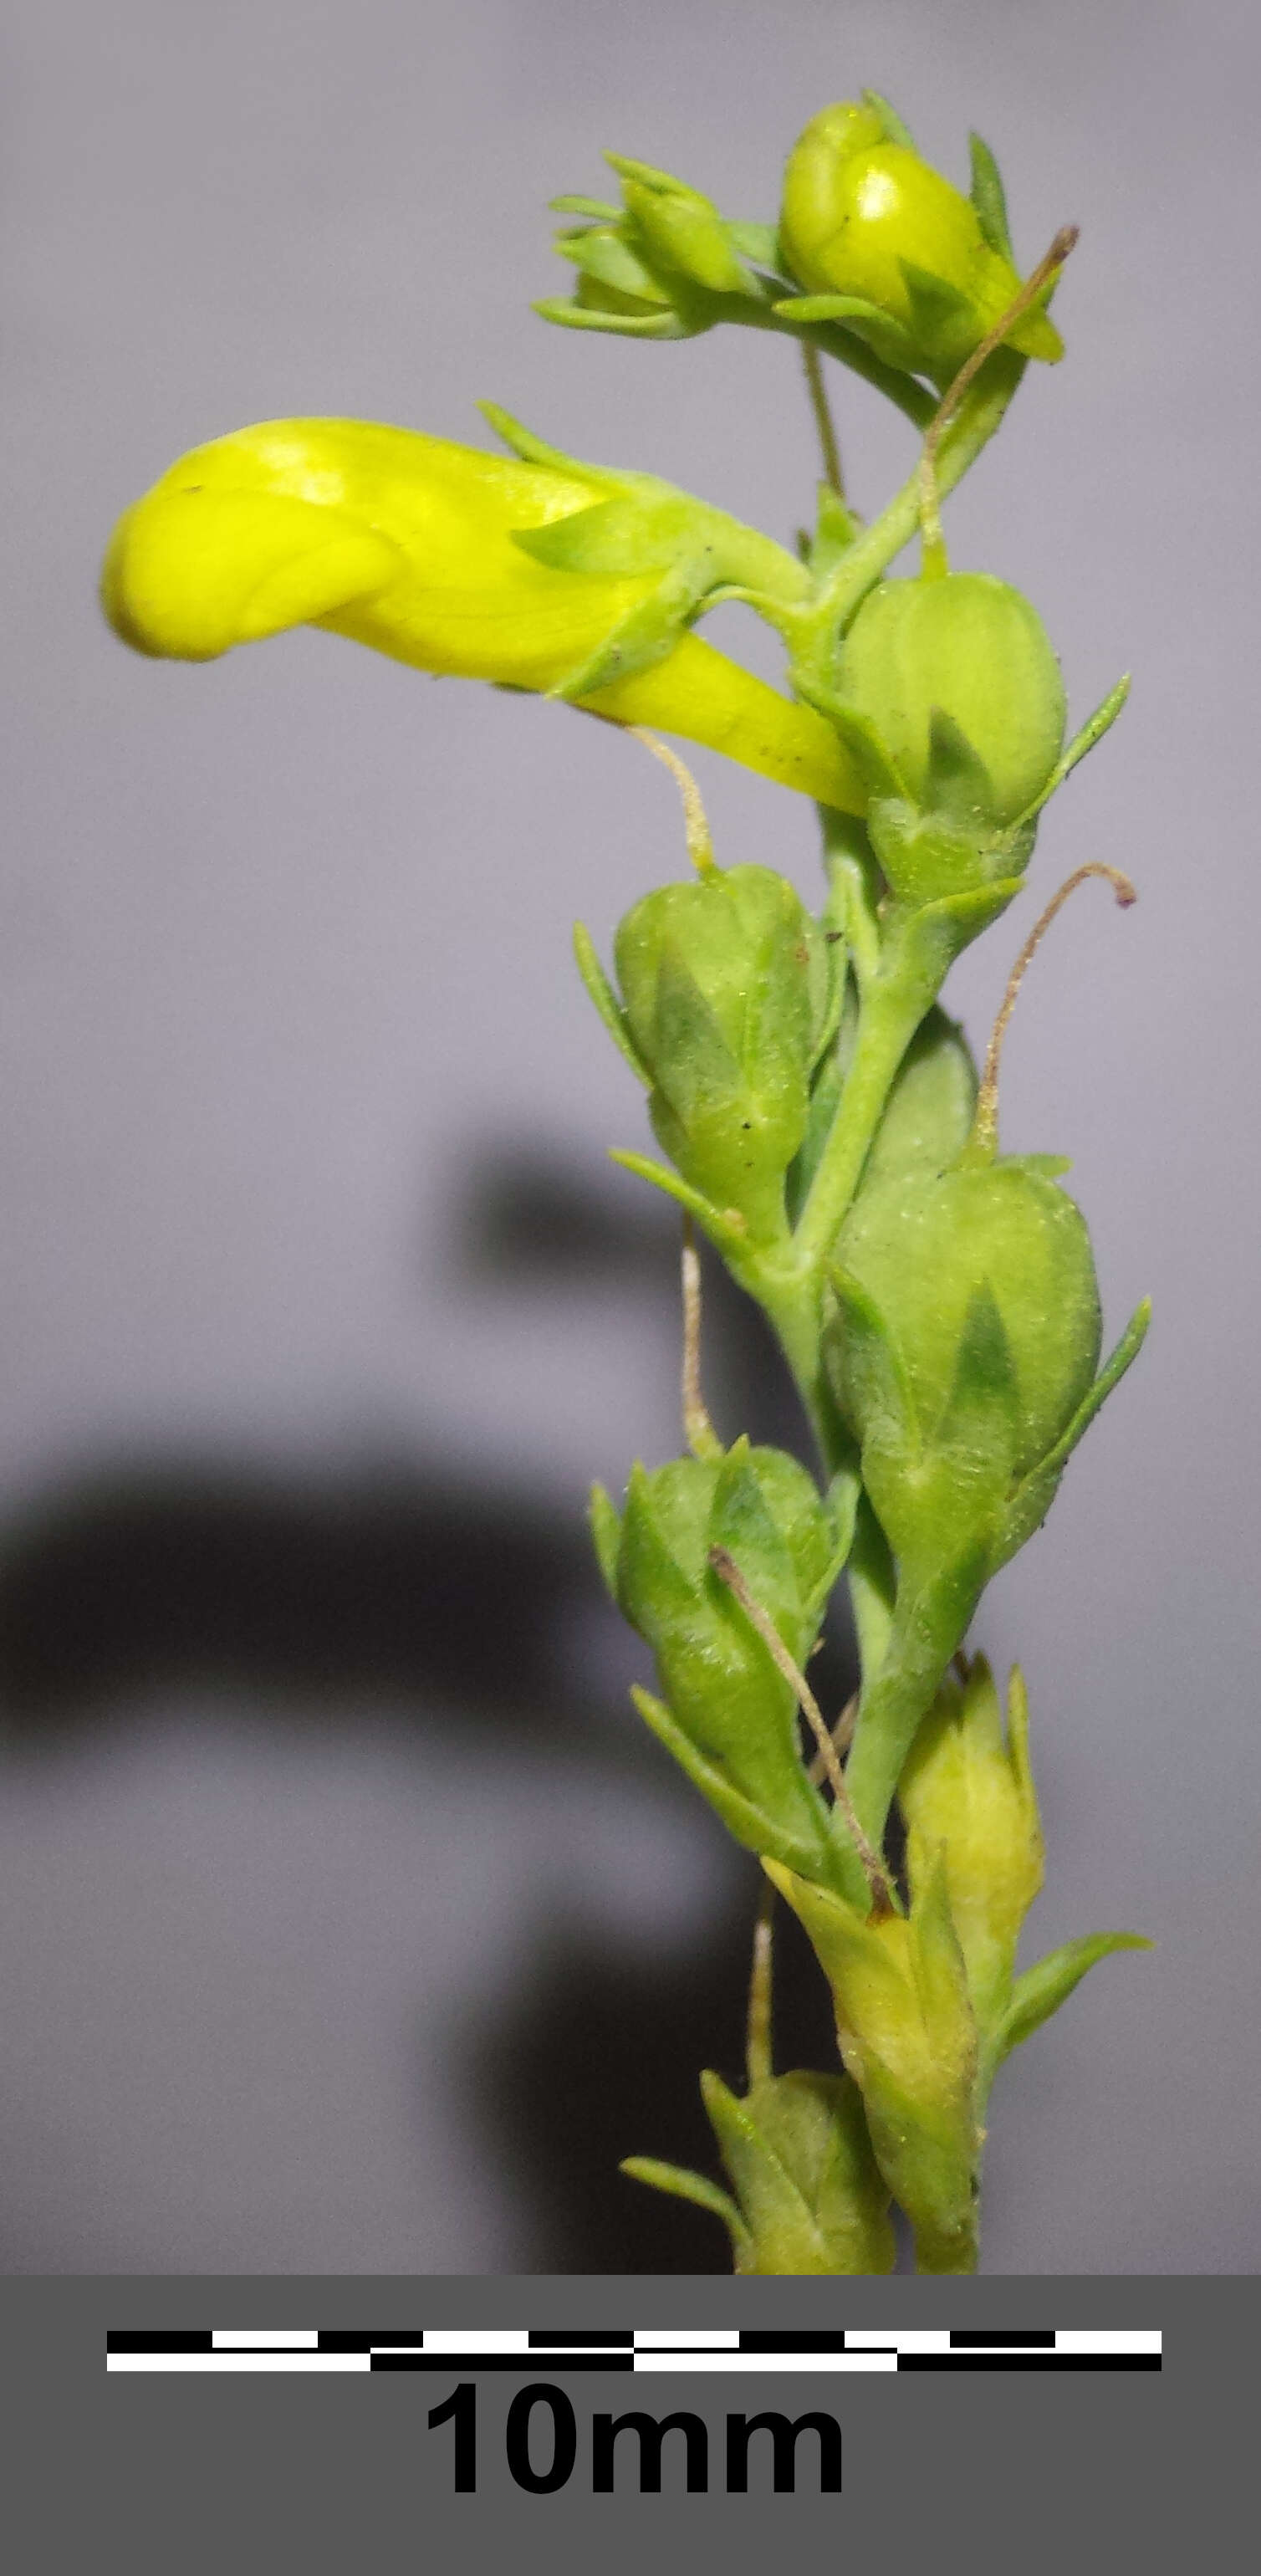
907, 2036
724, 1226
979, 1427
693, 1065
606, 1002
606, 1535
626, 326
1093, 731
861, 740
810, 2194
1042, 1989
877, 1389
957, 782
597, 209
532, 450
748, 1824
989, 198
835, 529
681, 227
646, 636
631, 532
681, 2184
927, 1118
602, 252
1033, 1499
758, 242
896, 131
938, 310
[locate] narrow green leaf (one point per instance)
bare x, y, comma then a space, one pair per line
1041, 1990
1032, 1501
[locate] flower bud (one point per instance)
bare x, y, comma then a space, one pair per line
663, 266
967, 1790
809, 2197
957, 682
866, 219
806, 2183
530, 570
729, 1714
727, 985
907, 2034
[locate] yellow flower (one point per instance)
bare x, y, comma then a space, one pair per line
541, 575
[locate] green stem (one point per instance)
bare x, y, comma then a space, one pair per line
814, 631
930, 1619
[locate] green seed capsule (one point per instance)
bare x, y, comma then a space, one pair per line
727, 1712
943, 668
1004, 1231
727, 986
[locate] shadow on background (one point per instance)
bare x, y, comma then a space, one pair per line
451, 1596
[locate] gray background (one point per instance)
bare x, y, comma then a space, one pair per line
347, 1923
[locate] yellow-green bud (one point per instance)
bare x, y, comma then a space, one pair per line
864, 216
907, 2034
967, 1790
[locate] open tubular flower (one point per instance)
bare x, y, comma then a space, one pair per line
528, 570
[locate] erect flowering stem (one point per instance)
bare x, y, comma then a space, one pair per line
819, 1118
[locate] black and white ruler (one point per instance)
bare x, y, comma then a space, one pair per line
741, 2350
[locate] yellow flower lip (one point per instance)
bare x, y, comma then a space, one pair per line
192, 571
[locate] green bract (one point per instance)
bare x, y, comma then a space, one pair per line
883, 244
907, 2034
728, 998
968, 1798
663, 266
809, 2196
727, 1714
967, 1792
